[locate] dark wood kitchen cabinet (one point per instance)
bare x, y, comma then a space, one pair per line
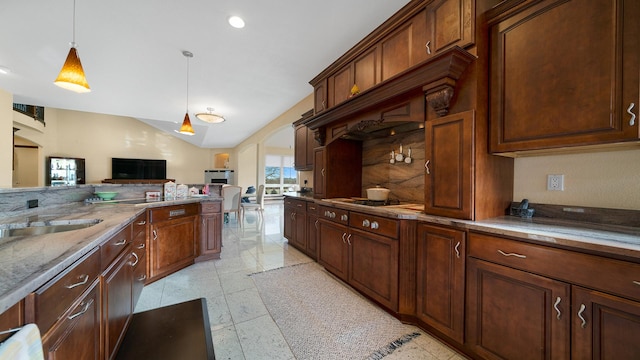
574, 85
11, 318
320, 96
173, 243
362, 250
330, 179
441, 279
449, 23
313, 227
295, 222
139, 254
210, 231
304, 144
117, 300
561, 303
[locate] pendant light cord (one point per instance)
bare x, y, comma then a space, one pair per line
187, 84
73, 36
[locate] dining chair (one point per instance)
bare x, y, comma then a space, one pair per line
258, 205
232, 195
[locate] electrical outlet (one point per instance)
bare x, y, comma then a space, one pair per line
555, 182
32, 204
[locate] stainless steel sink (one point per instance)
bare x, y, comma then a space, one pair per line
47, 228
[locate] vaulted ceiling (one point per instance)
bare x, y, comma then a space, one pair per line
131, 52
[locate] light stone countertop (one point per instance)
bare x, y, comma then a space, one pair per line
28, 262
616, 241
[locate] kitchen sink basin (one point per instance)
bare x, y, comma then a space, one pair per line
48, 227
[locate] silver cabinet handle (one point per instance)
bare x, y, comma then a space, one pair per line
322, 104
344, 217
137, 259
141, 246
632, 121
316, 224
555, 306
374, 225
512, 254
322, 172
349, 239
203, 222
84, 280
637, 282
456, 249
343, 236
142, 277
426, 166
428, 46
155, 235
365, 223
584, 322
120, 243
141, 222
84, 310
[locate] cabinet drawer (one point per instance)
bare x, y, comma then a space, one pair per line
299, 205
210, 207
139, 224
312, 207
52, 300
334, 214
172, 212
374, 224
596, 272
112, 247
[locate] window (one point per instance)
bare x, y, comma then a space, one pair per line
279, 174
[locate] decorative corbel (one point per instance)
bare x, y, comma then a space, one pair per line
439, 94
320, 135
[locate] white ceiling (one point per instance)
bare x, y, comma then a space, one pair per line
131, 52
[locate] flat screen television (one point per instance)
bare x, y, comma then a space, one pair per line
137, 169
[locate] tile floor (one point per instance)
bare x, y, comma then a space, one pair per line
240, 324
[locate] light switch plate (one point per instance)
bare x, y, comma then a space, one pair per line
555, 182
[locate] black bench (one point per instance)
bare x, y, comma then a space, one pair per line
179, 331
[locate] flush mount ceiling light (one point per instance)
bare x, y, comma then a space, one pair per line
236, 22
210, 117
186, 128
71, 75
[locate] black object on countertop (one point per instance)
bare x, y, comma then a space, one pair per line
522, 210
173, 332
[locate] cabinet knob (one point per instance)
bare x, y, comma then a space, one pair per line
365, 223
344, 217
632, 121
375, 225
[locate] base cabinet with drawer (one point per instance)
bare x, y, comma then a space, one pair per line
139, 253
173, 242
362, 250
210, 231
561, 304
295, 212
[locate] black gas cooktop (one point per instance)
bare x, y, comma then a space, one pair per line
369, 202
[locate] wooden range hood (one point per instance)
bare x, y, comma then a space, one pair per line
435, 79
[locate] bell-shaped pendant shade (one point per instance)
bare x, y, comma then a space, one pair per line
186, 126
71, 76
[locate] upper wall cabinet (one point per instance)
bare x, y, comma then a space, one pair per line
557, 83
417, 32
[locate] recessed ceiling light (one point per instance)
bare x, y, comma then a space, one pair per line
236, 22
4, 70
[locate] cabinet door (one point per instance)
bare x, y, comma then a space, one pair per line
569, 86
11, 318
440, 281
332, 249
313, 227
512, 313
210, 235
117, 298
610, 329
320, 97
373, 266
288, 222
319, 172
449, 166
299, 232
300, 150
449, 23
172, 245
77, 334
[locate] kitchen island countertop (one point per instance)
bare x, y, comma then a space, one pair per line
28, 262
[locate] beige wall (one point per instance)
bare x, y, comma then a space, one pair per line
608, 179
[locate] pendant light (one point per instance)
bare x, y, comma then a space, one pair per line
186, 128
71, 75
210, 117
